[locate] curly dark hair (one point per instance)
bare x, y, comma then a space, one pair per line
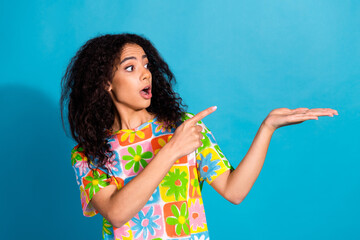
91, 111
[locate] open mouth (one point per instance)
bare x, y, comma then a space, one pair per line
146, 92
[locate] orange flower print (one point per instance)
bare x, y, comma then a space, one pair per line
127, 137
159, 142
131, 135
162, 142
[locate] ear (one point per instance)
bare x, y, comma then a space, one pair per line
108, 87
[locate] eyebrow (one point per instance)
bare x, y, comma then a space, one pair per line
128, 58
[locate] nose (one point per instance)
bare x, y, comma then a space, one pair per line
146, 74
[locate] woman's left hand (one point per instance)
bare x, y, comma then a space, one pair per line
283, 116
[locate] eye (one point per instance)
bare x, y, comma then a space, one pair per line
129, 68
146, 65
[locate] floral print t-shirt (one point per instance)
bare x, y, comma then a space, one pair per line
175, 210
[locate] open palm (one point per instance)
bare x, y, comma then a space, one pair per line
283, 116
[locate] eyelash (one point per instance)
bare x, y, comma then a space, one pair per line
147, 66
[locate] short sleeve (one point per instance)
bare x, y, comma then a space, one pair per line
210, 160
90, 181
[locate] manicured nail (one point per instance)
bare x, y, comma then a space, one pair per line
214, 107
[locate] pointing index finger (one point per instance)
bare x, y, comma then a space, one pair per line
201, 115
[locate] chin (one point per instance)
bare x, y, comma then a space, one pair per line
144, 106
147, 106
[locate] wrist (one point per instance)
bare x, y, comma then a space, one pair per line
267, 126
169, 151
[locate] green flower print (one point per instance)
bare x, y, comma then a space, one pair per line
176, 182
107, 228
219, 151
180, 219
136, 158
95, 182
205, 142
226, 162
185, 117
75, 156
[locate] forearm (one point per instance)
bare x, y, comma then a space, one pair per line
241, 180
129, 200
119, 206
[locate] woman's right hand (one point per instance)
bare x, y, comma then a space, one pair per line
187, 137
118, 206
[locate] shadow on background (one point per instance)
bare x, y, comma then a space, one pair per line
41, 199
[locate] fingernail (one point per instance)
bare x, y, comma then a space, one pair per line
214, 107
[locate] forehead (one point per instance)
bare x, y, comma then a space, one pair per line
131, 49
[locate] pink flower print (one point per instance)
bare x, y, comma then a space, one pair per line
88, 210
111, 165
114, 143
197, 215
146, 224
122, 231
82, 166
83, 197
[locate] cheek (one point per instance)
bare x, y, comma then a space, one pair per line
123, 91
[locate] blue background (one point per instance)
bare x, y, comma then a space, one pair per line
246, 57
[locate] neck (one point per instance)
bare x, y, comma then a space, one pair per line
129, 119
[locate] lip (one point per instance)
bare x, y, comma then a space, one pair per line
146, 96
147, 86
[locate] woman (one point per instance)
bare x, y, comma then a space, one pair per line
141, 159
